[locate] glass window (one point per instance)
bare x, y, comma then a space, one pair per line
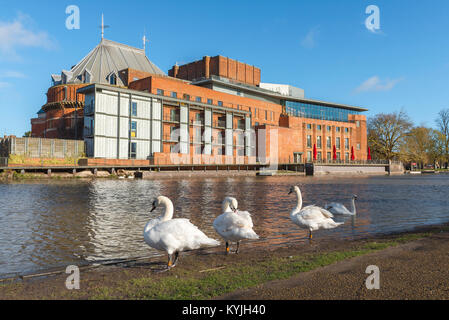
220, 103
337, 143
309, 141
198, 99
133, 131
266, 115
174, 133
329, 142
113, 79
337, 129
357, 124
316, 111
198, 149
174, 115
160, 92
346, 130
338, 156
346, 143
309, 156
347, 156
318, 127
186, 97
358, 146
318, 142
174, 95
318, 156
133, 150
209, 101
309, 126
329, 128
329, 156
134, 109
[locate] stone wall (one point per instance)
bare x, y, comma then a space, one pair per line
350, 170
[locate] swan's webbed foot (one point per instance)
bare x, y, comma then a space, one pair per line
310, 236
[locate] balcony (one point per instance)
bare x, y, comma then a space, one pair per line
196, 140
197, 122
219, 124
240, 125
171, 118
173, 138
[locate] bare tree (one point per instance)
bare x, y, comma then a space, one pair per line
443, 126
386, 134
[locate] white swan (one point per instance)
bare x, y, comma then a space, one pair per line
234, 225
173, 235
311, 217
338, 208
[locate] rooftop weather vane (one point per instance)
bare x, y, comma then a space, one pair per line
145, 40
103, 26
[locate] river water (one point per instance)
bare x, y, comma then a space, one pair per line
46, 224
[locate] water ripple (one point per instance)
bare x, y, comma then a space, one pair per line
56, 223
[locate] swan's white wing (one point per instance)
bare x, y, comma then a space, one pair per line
235, 226
316, 211
245, 217
177, 235
337, 208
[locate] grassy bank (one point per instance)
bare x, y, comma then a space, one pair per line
201, 276
182, 285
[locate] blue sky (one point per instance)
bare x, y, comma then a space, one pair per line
321, 46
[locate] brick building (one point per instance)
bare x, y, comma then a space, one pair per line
212, 110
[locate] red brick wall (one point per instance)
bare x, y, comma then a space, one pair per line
219, 66
57, 93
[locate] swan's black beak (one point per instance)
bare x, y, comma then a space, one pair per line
355, 197
232, 208
153, 207
291, 191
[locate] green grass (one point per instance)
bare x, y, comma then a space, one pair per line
180, 285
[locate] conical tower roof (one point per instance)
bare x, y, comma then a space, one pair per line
108, 58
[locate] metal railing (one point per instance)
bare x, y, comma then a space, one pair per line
219, 124
196, 122
171, 138
344, 161
171, 118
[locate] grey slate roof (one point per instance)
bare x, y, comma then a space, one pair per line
110, 57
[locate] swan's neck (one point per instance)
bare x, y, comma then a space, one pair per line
168, 213
353, 206
225, 207
298, 200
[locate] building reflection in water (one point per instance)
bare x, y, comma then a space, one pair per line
70, 222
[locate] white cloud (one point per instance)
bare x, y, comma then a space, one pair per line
19, 34
375, 84
309, 40
4, 85
12, 74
